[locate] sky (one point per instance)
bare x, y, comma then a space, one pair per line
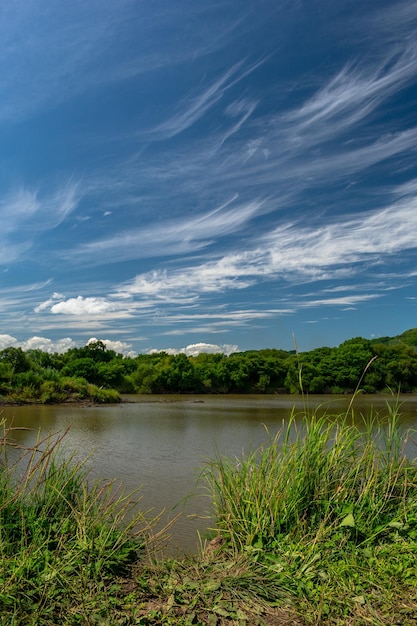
207, 176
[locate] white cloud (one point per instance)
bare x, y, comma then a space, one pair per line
342, 301
88, 310
395, 22
26, 213
171, 237
101, 42
247, 163
24, 208
198, 348
56, 297
62, 345
7, 341
291, 252
48, 345
196, 106
227, 273
121, 347
83, 306
354, 92
37, 343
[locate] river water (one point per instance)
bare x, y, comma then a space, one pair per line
161, 443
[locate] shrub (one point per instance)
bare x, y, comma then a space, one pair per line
51, 392
97, 394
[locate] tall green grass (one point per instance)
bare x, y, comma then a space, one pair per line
318, 526
329, 508
63, 544
325, 472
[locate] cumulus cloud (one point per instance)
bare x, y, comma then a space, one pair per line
48, 345
121, 347
62, 345
38, 343
43, 306
83, 306
7, 341
197, 348
76, 306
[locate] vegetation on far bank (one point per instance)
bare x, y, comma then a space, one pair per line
94, 373
317, 527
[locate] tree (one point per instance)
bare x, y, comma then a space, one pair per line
82, 368
16, 359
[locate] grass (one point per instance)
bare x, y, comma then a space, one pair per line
319, 526
330, 513
63, 545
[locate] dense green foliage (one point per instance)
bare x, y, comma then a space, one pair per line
95, 373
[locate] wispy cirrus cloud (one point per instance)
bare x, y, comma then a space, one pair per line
353, 94
343, 301
26, 213
293, 252
87, 53
170, 237
318, 139
233, 181
324, 139
393, 22
255, 153
192, 109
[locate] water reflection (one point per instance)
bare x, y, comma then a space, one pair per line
160, 443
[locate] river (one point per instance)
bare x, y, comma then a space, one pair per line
161, 443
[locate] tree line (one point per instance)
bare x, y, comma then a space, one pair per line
98, 374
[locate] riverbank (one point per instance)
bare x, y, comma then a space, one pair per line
317, 527
66, 390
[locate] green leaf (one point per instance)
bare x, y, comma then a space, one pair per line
359, 600
212, 585
348, 521
221, 611
396, 525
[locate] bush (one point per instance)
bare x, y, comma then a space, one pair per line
51, 392
105, 396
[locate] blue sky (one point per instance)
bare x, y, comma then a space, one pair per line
207, 175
